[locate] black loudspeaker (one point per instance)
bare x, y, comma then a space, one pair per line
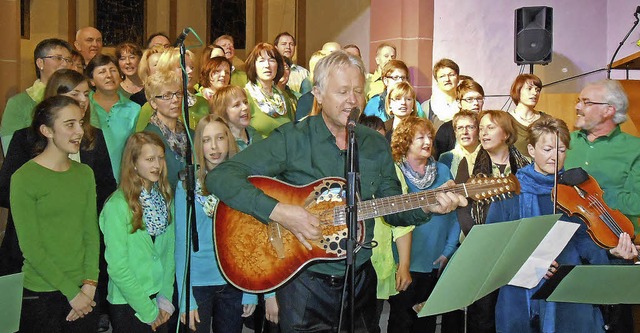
533, 35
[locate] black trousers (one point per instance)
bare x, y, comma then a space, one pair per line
124, 320
47, 312
402, 317
311, 303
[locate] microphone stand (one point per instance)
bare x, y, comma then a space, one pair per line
622, 42
353, 186
189, 185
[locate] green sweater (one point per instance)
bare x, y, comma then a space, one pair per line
138, 267
614, 161
56, 222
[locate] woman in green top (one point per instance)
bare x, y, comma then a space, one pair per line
269, 107
53, 202
140, 240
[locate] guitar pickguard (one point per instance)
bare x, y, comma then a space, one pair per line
326, 195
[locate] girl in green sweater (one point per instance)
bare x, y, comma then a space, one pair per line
53, 201
139, 239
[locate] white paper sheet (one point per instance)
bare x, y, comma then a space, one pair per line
535, 268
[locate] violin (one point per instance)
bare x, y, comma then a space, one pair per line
585, 200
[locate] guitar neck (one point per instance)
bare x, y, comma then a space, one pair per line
404, 202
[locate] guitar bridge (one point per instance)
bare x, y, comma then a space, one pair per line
275, 238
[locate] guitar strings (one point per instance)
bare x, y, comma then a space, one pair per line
337, 215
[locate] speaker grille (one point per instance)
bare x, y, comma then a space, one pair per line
533, 35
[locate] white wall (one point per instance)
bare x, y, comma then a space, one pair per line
479, 36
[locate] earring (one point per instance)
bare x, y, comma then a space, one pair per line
135, 168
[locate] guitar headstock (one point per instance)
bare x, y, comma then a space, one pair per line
482, 187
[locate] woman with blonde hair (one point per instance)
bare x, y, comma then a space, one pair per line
169, 61
231, 104
164, 92
400, 103
393, 72
214, 304
139, 239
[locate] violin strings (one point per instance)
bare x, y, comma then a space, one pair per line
605, 216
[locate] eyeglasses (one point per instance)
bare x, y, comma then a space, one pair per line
397, 77
474, 99
59, 58
466, 128
589, 103
169, 96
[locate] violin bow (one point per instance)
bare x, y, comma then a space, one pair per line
555, 175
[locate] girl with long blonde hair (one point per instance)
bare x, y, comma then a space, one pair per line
140, 240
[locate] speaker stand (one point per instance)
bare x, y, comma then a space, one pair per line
530, 68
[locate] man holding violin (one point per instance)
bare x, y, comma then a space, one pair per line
609, 155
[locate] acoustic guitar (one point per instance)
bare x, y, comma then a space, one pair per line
257, 257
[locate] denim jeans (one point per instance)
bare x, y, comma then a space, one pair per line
219, 308
47, 312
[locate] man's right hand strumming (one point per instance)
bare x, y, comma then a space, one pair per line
304, 225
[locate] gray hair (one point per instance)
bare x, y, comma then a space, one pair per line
615, 96
334, 61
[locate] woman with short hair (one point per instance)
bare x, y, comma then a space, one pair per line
231, 104
548, 140
525, 93
111, 110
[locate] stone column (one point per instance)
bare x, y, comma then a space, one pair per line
407, 24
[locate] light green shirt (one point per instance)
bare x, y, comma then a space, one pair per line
117, 125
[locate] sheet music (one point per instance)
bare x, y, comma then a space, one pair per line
536, 266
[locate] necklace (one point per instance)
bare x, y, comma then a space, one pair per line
527, 120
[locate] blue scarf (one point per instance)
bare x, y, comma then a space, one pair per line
532, 185
154, 211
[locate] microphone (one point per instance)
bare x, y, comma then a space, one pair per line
182, 36
353, 118
637, 12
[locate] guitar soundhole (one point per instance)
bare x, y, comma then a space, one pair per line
335, 244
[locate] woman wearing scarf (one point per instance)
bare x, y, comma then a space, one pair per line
139, 240
164, 93
496, 157
515, 310
269, 107
422, 254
